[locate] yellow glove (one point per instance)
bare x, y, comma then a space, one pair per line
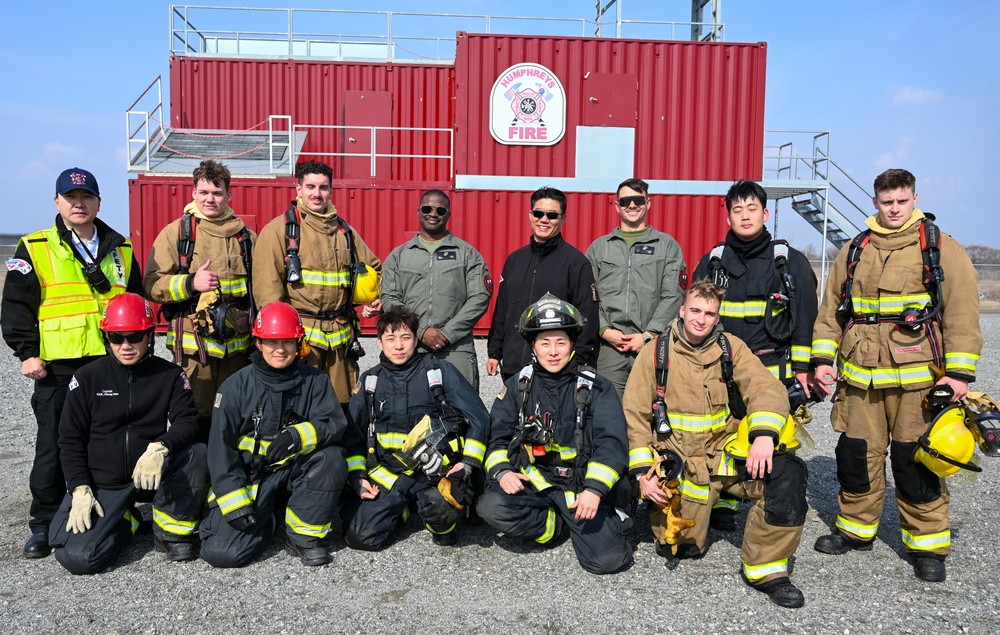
79, 514
149, 468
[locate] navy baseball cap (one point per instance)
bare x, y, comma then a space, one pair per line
77, 179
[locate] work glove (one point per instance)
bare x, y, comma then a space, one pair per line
149, 467
456, 488
83, 504
242, 523
284, 446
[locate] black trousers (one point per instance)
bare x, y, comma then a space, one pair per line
375, 523
599, 543
309, 489
46, 481
177, 506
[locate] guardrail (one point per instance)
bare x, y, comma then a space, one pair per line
139, 122
381, 34
372, 132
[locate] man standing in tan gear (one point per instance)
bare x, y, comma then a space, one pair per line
305, 257
901, 307
693, 375
199, 270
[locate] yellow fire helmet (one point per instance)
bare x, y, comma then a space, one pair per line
791, 437
948, 444
366, 287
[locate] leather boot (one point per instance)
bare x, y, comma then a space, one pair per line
837, 544
38, 545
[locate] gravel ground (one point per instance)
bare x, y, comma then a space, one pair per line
491, 583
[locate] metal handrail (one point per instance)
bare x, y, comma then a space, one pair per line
183, 34
374, 154
290, 144
143, 127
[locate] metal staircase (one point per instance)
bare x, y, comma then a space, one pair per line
822, 192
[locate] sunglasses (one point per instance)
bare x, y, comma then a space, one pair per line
133, 338
537, 213
626, 201
427, 210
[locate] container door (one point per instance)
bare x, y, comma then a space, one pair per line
610, 100
363, 110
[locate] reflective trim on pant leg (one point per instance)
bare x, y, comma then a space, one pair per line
446, 531
173, 526
550, 527
927, 542
132, 520
863, 532
298, 526
754, 572
731, 504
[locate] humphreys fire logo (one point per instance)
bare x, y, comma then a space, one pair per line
528, 106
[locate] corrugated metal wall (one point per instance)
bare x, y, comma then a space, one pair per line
235, 94
700, 110
496, 223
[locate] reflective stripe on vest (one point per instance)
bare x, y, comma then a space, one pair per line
70, 312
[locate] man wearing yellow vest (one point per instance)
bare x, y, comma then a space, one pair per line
311, 258
199, 270
58, 285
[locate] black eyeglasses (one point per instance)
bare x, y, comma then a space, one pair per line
538, 213
427, 210
133, 338
625, 201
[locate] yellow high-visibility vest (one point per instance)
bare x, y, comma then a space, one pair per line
70, 313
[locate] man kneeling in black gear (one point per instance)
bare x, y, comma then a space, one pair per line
271, 444
426, 433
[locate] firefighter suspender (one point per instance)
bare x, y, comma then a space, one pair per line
781, 299
293, 266
933, 276
534, 432
187, 233
435, 384
660, 422
293, 273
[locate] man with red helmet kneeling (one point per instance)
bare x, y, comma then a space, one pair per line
271, 447
116, 449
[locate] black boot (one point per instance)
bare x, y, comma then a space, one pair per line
929, 568
314, 556
38, 545
176, 551
449, 539
782, 592
837, 544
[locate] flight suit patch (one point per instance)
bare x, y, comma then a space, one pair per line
647, 250
446, 254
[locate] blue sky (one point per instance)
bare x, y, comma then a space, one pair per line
897, 84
